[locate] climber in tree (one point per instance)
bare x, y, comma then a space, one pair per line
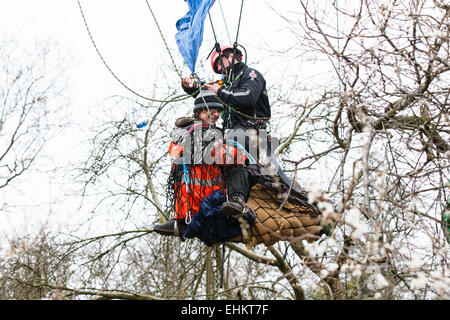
247, 109
245, 90
193, 176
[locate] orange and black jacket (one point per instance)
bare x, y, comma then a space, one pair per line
197, 179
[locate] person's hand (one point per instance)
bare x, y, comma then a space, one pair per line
213, 87
188, 82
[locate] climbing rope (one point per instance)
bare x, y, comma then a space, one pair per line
239, 23
225, 22
164, 40
235, 44
446, 217
213, 29
178, 98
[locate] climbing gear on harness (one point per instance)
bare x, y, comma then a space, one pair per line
219, 82
198, 181
188, 218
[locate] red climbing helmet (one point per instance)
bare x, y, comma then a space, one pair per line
215, 55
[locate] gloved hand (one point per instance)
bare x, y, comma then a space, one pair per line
188, 82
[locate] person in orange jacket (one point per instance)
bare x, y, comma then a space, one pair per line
196, 162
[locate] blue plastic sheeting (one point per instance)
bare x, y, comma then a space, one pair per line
190, 30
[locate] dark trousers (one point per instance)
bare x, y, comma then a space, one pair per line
239, 179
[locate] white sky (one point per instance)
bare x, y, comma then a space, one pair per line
127, 36
128, 39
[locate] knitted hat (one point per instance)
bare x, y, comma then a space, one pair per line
206, 100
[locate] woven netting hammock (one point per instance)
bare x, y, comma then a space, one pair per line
278, 219
279, 209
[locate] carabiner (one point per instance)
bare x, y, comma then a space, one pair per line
188, 218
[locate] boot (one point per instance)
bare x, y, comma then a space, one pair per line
233, 207
172, 227
180, 228
166, 229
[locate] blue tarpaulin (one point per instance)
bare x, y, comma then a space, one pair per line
190, 30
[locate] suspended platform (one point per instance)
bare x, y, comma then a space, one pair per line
277, 210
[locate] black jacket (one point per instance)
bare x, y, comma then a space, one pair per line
247, 93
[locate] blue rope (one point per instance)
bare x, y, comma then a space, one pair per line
240, 147
185, 174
